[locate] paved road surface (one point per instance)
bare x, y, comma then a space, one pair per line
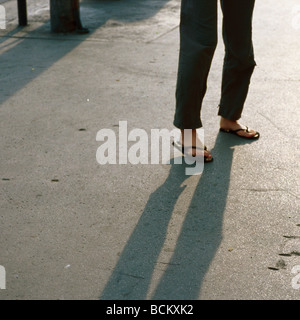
74, 229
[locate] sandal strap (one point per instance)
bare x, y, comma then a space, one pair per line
238, 130
245, 130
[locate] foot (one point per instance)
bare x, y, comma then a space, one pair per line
235, 125
194, 147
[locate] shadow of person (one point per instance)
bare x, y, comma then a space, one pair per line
132, 274
201, 232
199, 239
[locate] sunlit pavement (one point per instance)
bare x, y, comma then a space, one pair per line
74, 229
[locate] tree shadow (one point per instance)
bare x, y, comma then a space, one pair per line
127, 10
199, 239
42, 49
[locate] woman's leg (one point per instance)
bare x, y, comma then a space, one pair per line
198, 40
239, 60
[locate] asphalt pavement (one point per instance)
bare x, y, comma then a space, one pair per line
72, 228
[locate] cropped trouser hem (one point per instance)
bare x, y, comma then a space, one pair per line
187, 125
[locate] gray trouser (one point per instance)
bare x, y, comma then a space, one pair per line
198, 41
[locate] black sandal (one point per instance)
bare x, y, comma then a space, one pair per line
183, 150
235, 132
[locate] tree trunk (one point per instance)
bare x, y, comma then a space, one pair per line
65, 16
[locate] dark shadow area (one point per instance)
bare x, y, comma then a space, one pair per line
42, 52
198, 241
10, 34
127, 10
